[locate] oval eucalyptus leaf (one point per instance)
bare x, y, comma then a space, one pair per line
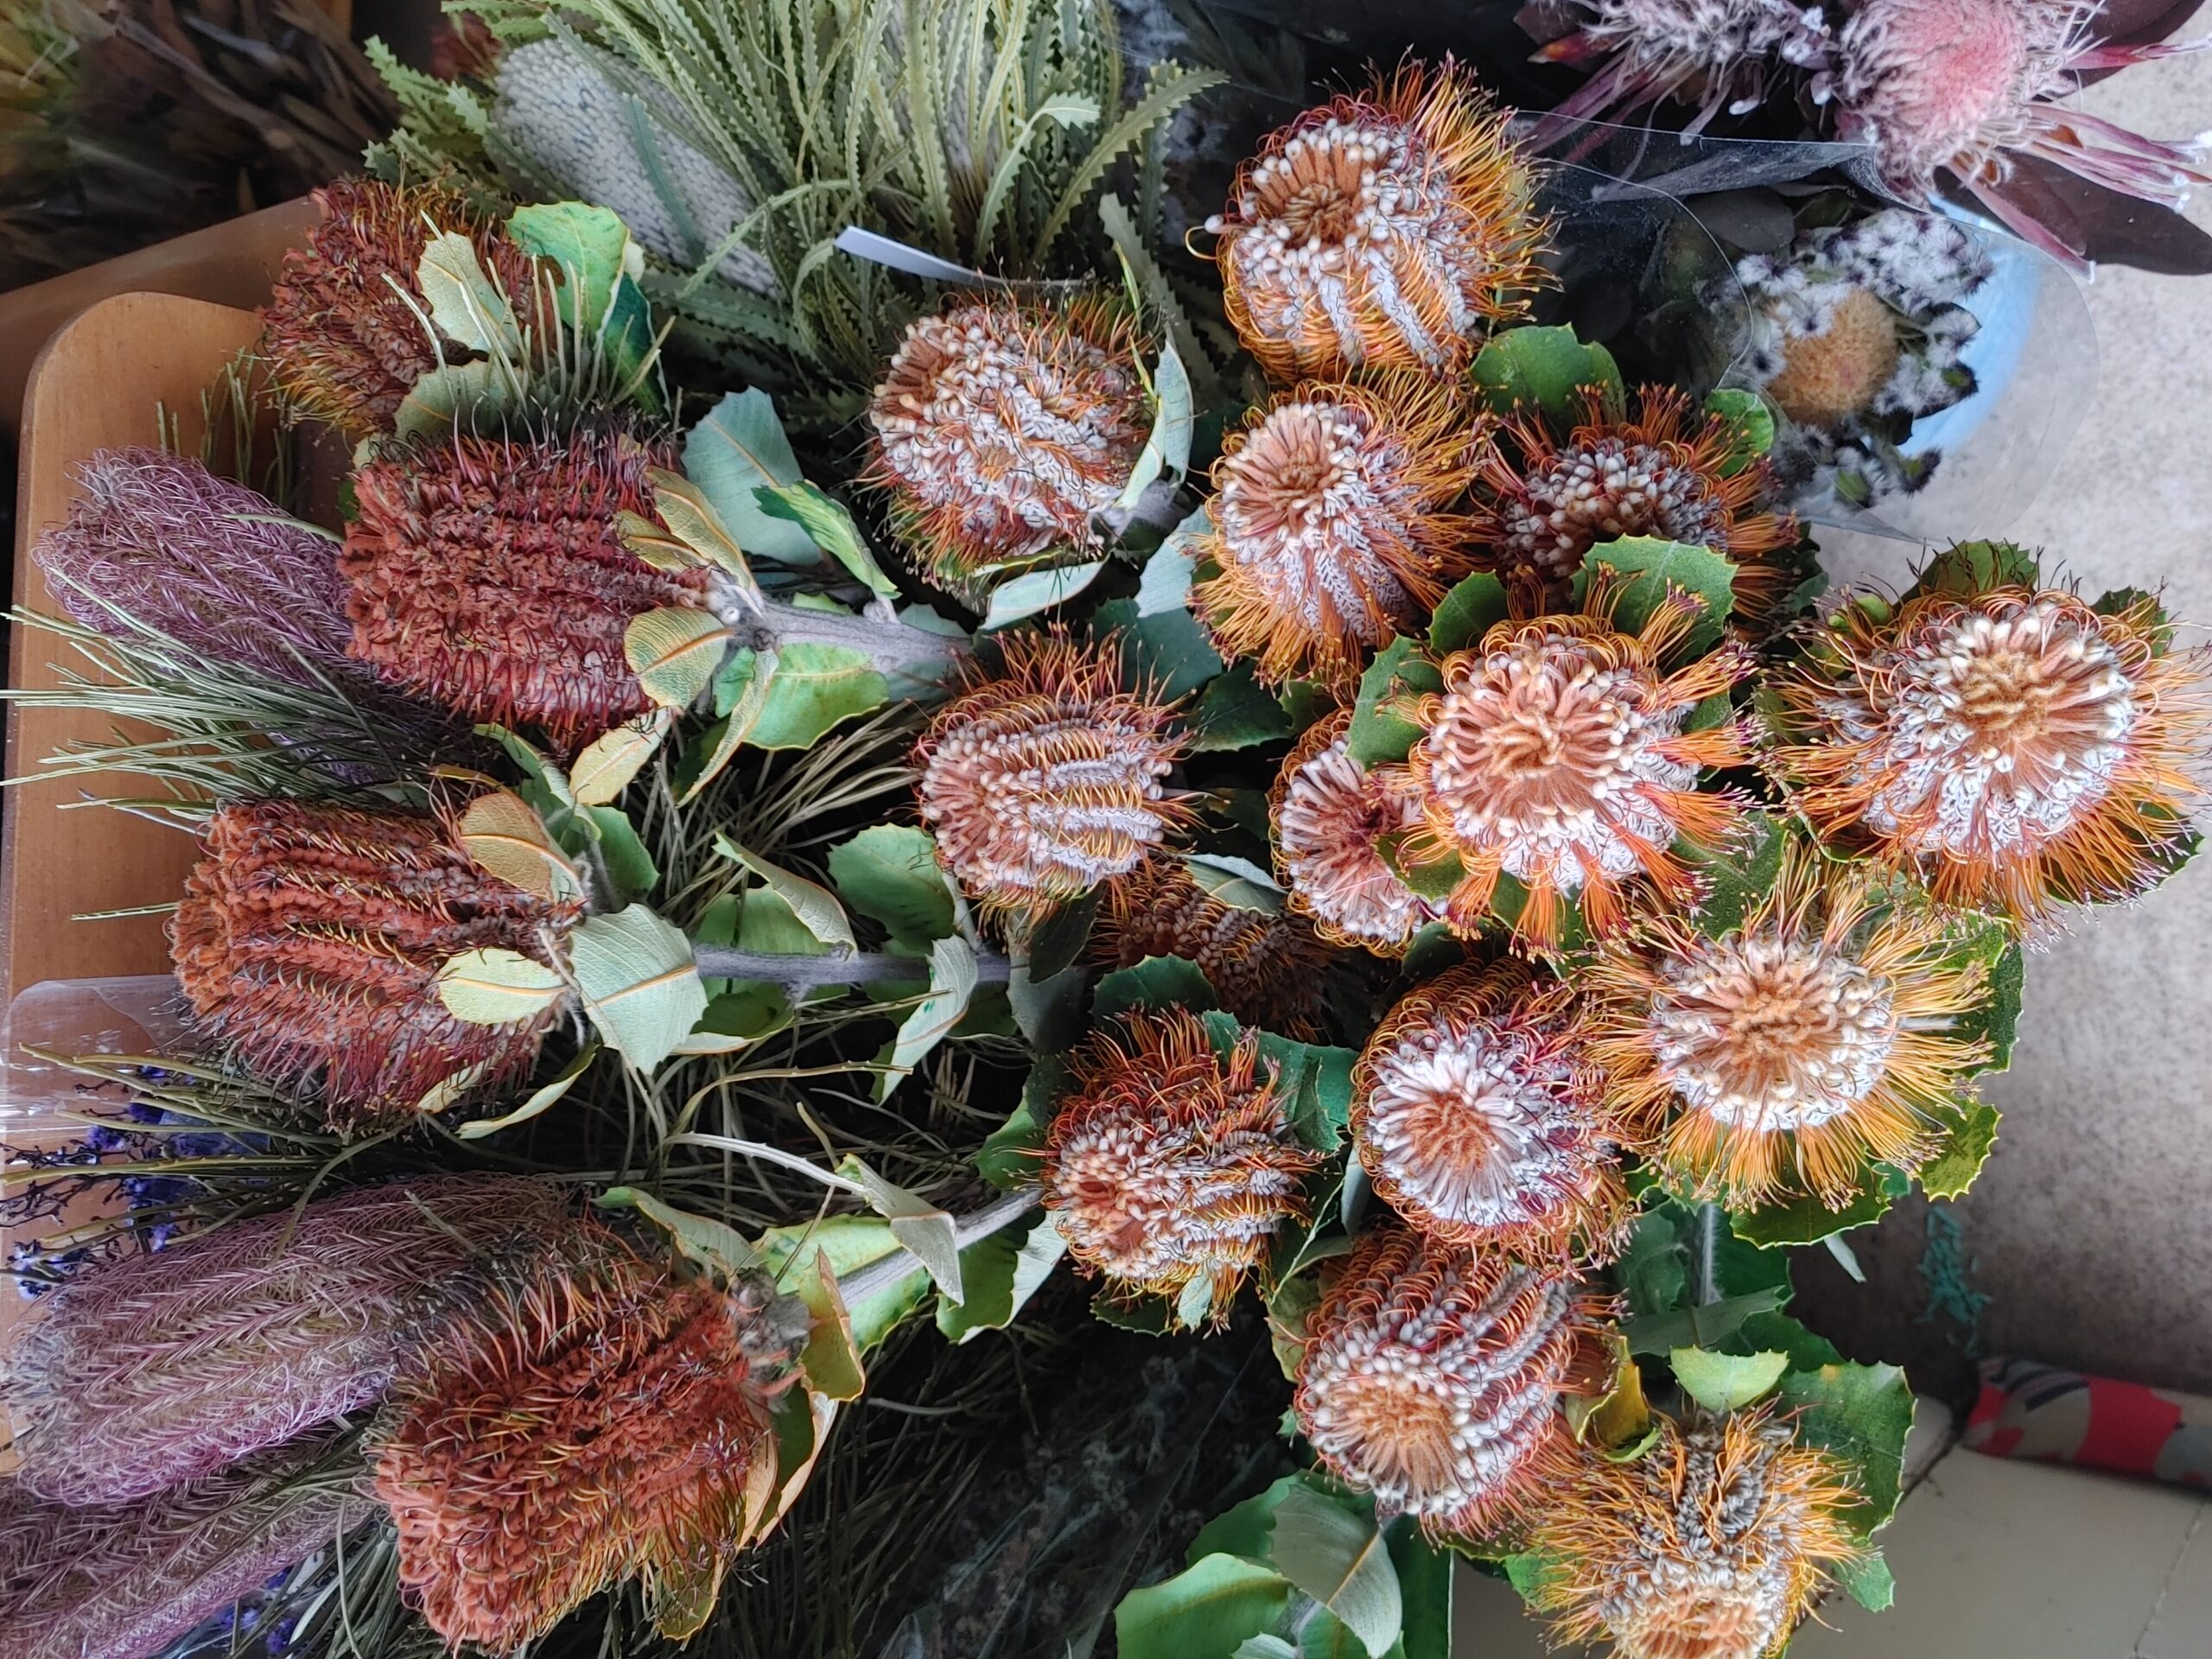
1039, 590
496, 986
814, 904
889, 873
929, 1233
737, 449
952, 985
638, 983
464, 302
540, 1098
610, 760
812, 688
1336, 1555
509, 840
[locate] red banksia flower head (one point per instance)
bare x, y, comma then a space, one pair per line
1387, 229
1265, 968
593, 1425
1329, 815
1171, 1166
1433, 1379
2014, 750
1330, 528
309, 940
1480, 1118
146, 1371
1045, 779
1002, 425
1712, 1544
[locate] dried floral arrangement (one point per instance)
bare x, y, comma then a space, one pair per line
1249, 879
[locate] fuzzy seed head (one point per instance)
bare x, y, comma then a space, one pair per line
1265, 968
1330, 814
1829, 377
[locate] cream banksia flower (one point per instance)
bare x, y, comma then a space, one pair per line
1329, 815
1480, 1118
1170, 1167
1268, 969
1387, 229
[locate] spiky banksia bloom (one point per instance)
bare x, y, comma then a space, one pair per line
488, 577
1002, 425
1433, 1377
149, 1369
1329, 815
309, 940
343, 330
1557, 754
1716, 53
1481, 1120
2014, 750
1169, 1166
1267, 968
1330, 528
593, 1426
1387, 229
1044, 779
1711, 1545
1797, 1049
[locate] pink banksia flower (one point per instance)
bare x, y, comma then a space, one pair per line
1330, 815
1392, 228
1268, 969
1717, 55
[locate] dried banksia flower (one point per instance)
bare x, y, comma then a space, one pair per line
2014, 750
595, 1426
1712, 1544
1480, 1118
1267, 968
1044, 779
1330, 528
309, 940
1542, 503
1002, 425
124, 1580
1329, 815
146, 1371
1387, 229
1797, 1050
343, 330
1433, 1379
488, 577
1170, 1166
1557, 755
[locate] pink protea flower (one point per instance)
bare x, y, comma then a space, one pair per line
1330, 814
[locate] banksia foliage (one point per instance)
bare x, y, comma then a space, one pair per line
1431, 1377
595, 1426
1330, 528
309, 940
1711, 1545
147, 1370
1171, 1166
488, 578
1329, 815
1267, 968
1002, 425
2014, 750
1481, 1120
1044, 779
1797, 1050
1387, 229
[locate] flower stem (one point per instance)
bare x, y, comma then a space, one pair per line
798, 973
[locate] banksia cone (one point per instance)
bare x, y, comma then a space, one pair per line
1002, 425
2014, 750
340, 335
1711, 1545
596, 1426
1480, 1118
147, 1370
1329, 815
1267, 968
1433, 1377
1171, 1166
309, 940
488, 578
1387, 229
1044, 780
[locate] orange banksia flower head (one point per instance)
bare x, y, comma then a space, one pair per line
1267, 968
1433, 1379
1542, 503
1045, 779
1795, 1049
309, 938
1002, 425
488, 577
595, 1424
1171, 1166
1711, 1545
1386, 229
2014, 750
1330, 528
1557, 754
1481, 1120
1329, 815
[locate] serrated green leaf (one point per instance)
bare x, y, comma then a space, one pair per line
1157, 984
1804, 1219
1314, 1080
1996, 1019
638, 983
739, 449
1862, 1413
812, 688
1206, 1611
1867, 1580
1654, 569
1468, 612
1966, 1148
1376, 737
1039, 590
497, 987
1545, 370
1735, 877
1970, 568
1751, 426
675, 652
1726, 1382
